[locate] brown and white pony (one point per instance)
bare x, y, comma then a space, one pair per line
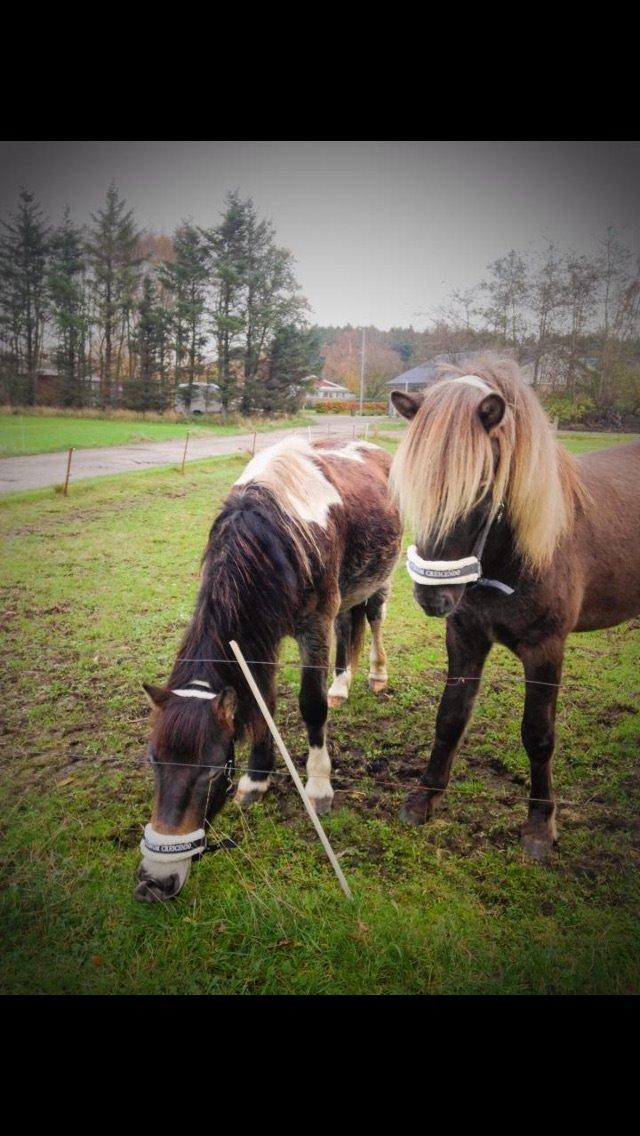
305, 542
481, 475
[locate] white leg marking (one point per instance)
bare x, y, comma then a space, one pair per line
340, 687
319, 778
247, 785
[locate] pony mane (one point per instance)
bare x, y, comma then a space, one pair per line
254, 570
445, 464
302, 494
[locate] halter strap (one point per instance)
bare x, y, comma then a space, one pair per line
473, 381
188, 692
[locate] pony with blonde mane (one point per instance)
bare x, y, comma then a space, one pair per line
517, 543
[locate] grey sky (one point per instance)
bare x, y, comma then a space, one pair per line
381, 231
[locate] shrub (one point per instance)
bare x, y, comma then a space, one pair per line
568, 409
338, 406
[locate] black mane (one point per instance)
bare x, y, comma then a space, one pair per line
255, 572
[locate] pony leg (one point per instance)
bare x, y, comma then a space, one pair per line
349, 626
313, 643
253, 784
467, 649
339, 691
542, 669
376, 615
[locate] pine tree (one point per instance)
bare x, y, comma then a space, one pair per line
185, 280
114, 258
227, 243
144, 391
272, 299
69, 314
294, 356
24, 249
255, 293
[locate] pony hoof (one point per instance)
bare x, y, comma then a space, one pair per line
377, 685
408, 815
536, 847
249, 798
249, 791
321, 805
417, 808
334, 700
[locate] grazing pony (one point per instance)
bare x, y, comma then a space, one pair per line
305, 542
518, 543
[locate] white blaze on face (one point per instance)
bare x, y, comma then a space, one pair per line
298, 484
318, 774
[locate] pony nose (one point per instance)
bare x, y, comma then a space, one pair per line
159, 882
433, 601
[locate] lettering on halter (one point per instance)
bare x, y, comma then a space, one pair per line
167, 847
434, 572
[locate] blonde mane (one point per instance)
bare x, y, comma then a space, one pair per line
445, 464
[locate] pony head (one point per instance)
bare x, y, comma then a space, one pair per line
192, 752
479, 440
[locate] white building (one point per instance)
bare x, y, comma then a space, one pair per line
324, 390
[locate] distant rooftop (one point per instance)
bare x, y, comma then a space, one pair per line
327, 384
424, 374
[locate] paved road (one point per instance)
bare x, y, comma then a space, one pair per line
37, 471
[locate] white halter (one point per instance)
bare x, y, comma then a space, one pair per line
167, 848
439, 572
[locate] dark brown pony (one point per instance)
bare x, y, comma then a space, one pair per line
480, 474
305, 543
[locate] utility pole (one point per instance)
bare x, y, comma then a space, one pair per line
362, 369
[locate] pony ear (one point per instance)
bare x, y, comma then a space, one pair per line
225, 706
491, 411
406, 404
157, 695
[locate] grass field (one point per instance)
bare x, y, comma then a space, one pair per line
30, 434
97, 589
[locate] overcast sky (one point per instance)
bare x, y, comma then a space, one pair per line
381, 231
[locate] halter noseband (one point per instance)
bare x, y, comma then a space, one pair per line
167, 848
435, 573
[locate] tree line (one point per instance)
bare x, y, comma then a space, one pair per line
127, 318
573, 317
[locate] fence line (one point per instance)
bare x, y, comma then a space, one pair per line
397, 782
436, 672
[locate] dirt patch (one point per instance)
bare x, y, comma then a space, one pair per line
612, 714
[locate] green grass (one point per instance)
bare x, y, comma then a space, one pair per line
97, 590
585, 443
31, 434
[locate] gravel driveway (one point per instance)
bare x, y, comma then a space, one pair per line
41, 470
